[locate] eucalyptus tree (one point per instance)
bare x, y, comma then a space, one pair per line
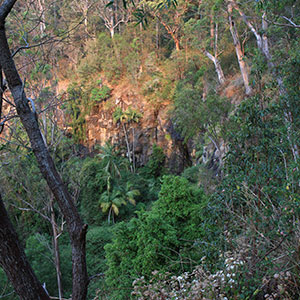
113, 15
213, 19
258, 23
206, 31
169, 14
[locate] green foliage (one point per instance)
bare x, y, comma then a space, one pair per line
6, 288
41, 68
111, 160
97, 238
159, 239
22, 183
257, 149
92, 185
192, 174
257, 201
106, 186
196, 116
261, 187
100, 94
127, 116
114, 197
74, 108
80, 101
155, 165
119, 115
41, 257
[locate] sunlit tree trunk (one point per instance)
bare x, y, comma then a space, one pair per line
239, 52
218, 67
263, 46
41, 4
112, 27
173, 31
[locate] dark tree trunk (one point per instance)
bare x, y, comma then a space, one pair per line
77, 230
1, 93
14, 262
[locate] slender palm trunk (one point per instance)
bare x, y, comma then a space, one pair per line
133, 156
127, 145
109, 214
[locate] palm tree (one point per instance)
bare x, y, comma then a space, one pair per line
119, 116
111, 202
111, 160
124, 118
112, 199
129, 193
133, 116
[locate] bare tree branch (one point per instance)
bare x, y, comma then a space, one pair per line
281, 24
76, 228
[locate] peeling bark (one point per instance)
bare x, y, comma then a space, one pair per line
239, 52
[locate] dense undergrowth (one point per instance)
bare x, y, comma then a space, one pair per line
228, 226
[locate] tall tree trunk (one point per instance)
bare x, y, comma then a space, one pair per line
239, 52
85, 14
263, 46
128, 146
1, 95
218, 67
157, 37
133, 149
15, 264
56, 249
214, 45
41, 4
173, 32
177, 43
112, 32
77, 230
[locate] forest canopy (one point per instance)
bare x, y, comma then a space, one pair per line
149, 149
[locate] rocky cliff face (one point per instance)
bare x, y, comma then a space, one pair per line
155, 127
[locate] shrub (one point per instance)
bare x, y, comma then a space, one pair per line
92, 185
100, 94
40, 255
168, 237
96, 239
155, 165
